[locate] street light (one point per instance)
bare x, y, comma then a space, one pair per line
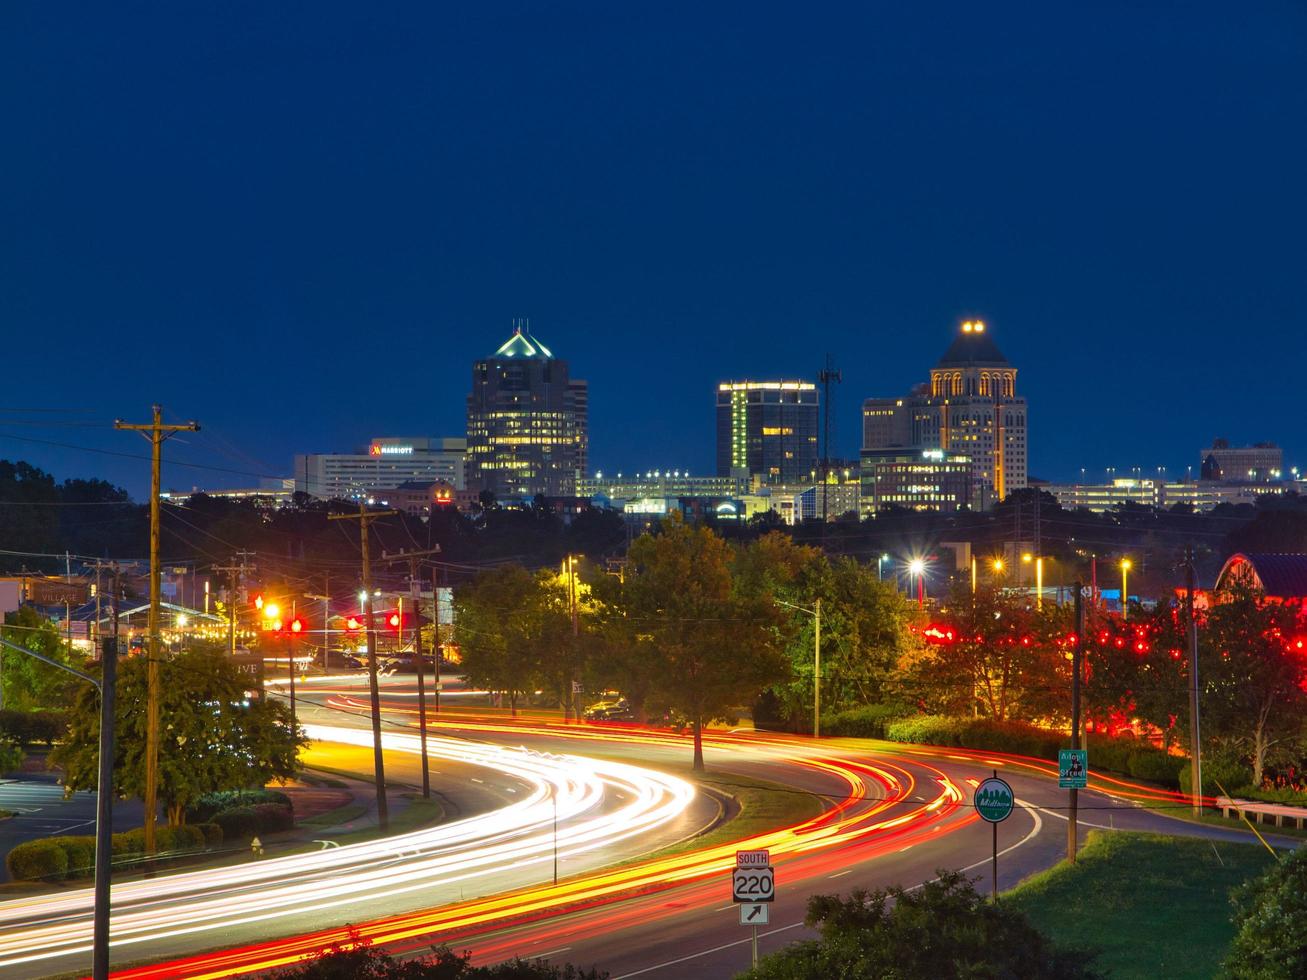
1039, 582
1125, 593
880, 562
918, 568
815, 612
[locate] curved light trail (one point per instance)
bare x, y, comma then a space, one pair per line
518, 835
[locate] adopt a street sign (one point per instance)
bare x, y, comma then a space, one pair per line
753, 914
1072, 768
994, 800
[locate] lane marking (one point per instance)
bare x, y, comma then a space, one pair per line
560, 949
841, 874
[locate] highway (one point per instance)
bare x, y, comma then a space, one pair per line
485, 883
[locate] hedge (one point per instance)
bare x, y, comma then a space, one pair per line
1230, 773
31, 727
867, 721
56, 858
247, 821
211, 804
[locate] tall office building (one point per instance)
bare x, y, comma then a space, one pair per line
527, 422
767, 430
970, 407
1262, 461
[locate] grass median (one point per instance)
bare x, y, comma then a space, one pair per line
1151, 905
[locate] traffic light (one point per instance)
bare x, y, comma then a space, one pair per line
394, 620
258, 601
297, 625
353, 625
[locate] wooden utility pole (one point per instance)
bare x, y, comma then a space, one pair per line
378, 762
1077, 666
237, 573
415, 593
1195, 734
156, 432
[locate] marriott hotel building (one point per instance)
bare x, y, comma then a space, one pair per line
384, 465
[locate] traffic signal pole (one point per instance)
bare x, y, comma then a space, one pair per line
1077, 661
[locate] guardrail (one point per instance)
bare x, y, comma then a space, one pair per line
1277, 813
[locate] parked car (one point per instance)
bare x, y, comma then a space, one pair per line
405, 663
340, 660
618, 709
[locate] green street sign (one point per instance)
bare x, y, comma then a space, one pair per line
1072, 768
994, 800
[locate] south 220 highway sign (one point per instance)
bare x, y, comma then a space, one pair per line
753, 884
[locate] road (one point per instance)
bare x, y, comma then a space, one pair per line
894, 818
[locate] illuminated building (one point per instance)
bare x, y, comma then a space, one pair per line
767, 430
1260, 463
527, 422
1201, 495
915, 479
420, 498
970, 407
659, 484
383, 465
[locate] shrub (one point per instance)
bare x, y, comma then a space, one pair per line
867, 721
183, 838
1156, 766
1016, 737
31, 727
35, 860
927, 729
271, 817
246, 821
1221, 769
11, 756
128, 845
1270, 919
212, 834
1285, 795
1112, 754
79, 853
210, 804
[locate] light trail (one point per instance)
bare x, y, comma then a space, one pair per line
518, 835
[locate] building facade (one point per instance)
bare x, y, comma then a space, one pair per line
1201, 495
1261, 462
970, 407
767, 430
915, 479
527, 422
385, 464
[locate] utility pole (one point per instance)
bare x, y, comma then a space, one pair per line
378, 762
435, 623
1196, 745
237, 573
570, 710
156, 432
1077, 662
415, 594
827, 376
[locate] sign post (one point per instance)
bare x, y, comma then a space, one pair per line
753, 884
994, 802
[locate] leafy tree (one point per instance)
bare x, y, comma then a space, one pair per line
1270, 921
992, 649
359, 961
710, 647
944, 929
212, 737
29, 684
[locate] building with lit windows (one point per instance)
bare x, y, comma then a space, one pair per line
970, 407
1261, 462
767, 430
527, 422
915, 479
386, 463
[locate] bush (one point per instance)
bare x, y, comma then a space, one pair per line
183, 838
11, 757
1270, 919
246, 821
867, 721
36, 860
927, 729
212, 834
79, 853
1113, 754
1285, 795
360, 960
129, 844
207, 806
1220, 769
31, 727
1016, 737
1156, 766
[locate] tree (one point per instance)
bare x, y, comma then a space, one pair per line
1270, 921
991, 649
943, 929
710, 647
213, 738
27, 683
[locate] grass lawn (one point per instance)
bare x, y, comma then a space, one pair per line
1153, 906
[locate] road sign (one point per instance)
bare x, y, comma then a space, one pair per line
753, 914
753, 884
1072, 768
753, 859
994, 800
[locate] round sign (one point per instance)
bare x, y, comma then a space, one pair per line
994, 800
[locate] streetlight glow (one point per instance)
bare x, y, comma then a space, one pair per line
916, 566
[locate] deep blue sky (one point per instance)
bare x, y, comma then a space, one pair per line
300, 223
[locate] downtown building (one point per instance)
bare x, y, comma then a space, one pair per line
384, 464
767, 431
970, 408
527, 422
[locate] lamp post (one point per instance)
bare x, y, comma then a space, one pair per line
1039, 582
815, 613
918, 568
1125, 593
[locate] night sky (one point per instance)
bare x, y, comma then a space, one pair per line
300, 223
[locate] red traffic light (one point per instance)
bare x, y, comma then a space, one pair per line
353, 624
394, 620
258, 601
297, 625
